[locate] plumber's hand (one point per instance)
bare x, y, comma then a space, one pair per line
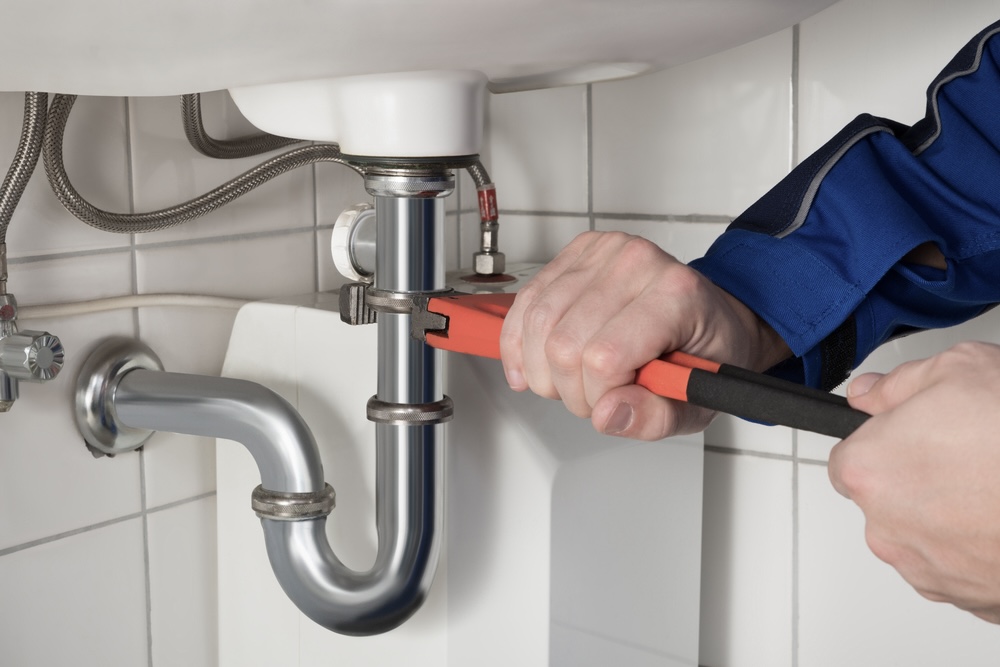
925, 471
609, 303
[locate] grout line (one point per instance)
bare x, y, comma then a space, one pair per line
31, 259
69, 533
795, 548
104, 524
668, 217
226, 239
794, 101
178, 503
589, 110
145, 555
651, 217
648, 650
731, 451
793, 160
814, 462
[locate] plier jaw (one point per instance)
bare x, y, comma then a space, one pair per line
465, 323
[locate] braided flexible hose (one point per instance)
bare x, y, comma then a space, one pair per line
137, 223
194, 129
25, 158
478, 173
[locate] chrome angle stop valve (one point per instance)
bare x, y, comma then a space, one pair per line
25, 356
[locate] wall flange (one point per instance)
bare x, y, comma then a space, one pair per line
108, 363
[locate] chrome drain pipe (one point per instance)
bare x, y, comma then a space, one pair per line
123, 395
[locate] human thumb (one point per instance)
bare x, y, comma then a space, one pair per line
875, 393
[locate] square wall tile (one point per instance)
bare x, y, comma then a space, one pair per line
856, 610
96, 158
735, 433
538, 149
42, 447
257, 267
684, 240
183, 585
526, 238
580, 648
168, 171
708, 137
746, 577
860, 56
76, 601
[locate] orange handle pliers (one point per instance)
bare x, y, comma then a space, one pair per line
471, 324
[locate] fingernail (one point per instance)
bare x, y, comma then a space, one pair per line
620, 419
862, 384
515, 379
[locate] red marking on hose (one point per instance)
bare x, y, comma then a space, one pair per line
488, 203
7, 312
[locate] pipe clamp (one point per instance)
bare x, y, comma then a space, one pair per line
285, 506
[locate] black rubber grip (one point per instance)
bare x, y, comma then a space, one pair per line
773, 401
784, 385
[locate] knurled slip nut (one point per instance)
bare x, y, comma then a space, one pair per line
286, 506
410, 414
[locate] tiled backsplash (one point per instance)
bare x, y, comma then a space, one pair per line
111, 562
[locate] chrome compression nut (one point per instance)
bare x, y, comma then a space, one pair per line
285, 506
410, 414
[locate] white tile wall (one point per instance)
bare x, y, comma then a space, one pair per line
855, 610
538, 145
76, 601
747, 577
877, 57
111, 561
704, 138
183, 584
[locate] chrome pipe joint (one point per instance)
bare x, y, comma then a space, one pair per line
25, 356
123, 395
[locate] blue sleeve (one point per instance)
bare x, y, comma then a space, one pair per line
819, 257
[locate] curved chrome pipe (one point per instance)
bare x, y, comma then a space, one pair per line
122, 395
266, 424
408, 488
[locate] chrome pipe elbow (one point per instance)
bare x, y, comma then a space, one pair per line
262, 421
410, 504
123, 397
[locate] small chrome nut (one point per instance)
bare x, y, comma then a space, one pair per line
35, 356
489, 263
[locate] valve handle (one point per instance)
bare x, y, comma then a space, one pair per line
34, 356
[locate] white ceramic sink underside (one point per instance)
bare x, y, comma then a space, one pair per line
167, 47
